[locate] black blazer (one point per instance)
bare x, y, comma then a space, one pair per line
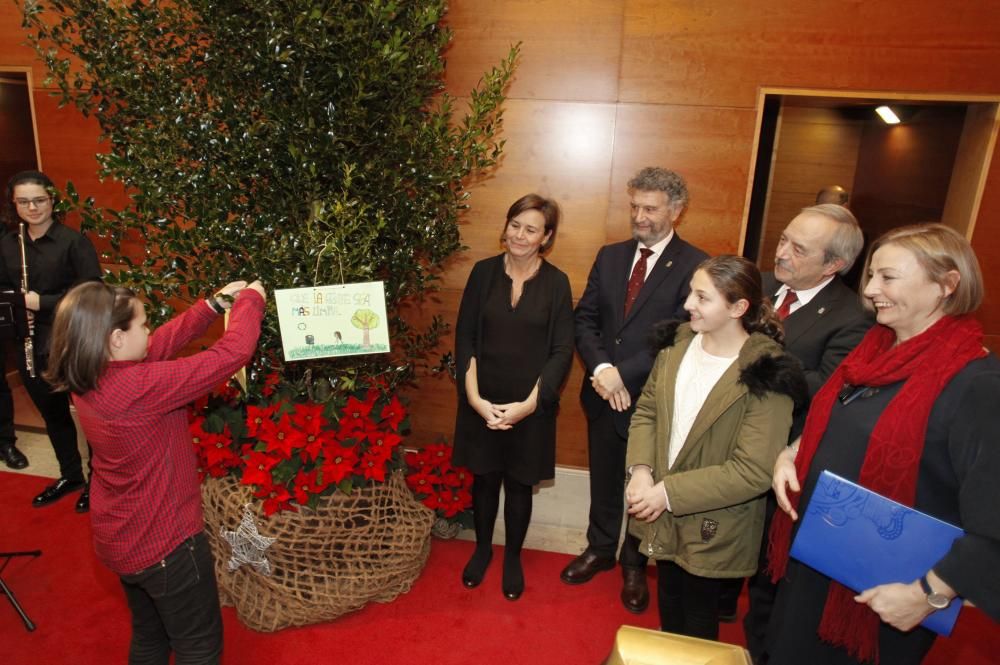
822, 333
604, 335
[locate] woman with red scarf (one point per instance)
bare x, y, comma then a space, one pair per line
911, 414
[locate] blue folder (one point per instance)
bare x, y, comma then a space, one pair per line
862, 539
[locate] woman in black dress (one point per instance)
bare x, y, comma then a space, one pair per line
513, 346
910, 414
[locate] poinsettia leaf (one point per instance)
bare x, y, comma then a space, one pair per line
346, 486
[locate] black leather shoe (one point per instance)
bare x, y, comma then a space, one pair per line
13, 457
83, 503
472, 574
635, 593
584, 567
56, 491
513, 578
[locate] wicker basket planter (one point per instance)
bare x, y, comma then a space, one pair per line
351, 550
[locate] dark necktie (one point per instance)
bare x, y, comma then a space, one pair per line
637, 279
786, 305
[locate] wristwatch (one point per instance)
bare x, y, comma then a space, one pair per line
938, 601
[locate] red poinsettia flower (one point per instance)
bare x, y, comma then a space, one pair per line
338, 463
372, 466
230, 391
281, 437
382, 443
393, 413
270, 383
314, 444
257, 416
355, 414
421, 483
432, 501
307, 483
439, 455
309, 418
258, 469
452, 503
275, 498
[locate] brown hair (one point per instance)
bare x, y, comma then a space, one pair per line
549, 209
737, 279
81, 332
939, 249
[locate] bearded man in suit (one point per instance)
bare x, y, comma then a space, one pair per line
823, 321
632, 285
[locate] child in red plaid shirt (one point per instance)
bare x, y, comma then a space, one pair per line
131, 395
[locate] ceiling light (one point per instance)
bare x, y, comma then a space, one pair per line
887, 115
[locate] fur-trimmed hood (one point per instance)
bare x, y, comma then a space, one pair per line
764, 365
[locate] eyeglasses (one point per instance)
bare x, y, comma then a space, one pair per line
27, 203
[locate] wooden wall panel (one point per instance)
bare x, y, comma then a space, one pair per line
561, 150
718, 53
709, 147
569, 48
13, 51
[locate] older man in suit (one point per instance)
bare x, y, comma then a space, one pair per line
823, 321
632, 285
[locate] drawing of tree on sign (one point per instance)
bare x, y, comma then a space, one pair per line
366, 320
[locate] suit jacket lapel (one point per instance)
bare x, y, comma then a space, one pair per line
621, 272
659, 272
805, 317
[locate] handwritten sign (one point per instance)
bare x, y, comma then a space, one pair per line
331, 321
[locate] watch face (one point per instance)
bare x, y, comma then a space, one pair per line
938, 601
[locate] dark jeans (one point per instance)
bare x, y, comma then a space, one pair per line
607, 493
175, 605
689, 604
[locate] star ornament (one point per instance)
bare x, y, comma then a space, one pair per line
248, 545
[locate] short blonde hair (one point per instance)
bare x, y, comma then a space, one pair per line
938, 249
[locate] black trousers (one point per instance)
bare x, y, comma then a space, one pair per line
761, 593
607, 493
54, 408
175, 607
689, 604
7, 435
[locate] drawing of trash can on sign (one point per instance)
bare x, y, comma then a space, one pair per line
334, 320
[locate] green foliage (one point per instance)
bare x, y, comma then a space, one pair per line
301, 142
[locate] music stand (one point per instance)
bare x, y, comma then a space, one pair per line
10, 594
13, 316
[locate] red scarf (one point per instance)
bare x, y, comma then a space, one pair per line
926, 362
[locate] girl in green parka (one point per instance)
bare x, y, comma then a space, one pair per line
708, 426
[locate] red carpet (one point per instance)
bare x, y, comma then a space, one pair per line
82, 618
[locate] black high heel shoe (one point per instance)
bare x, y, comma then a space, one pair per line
474, 571
513, 579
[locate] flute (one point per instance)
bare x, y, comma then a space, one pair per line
29, 341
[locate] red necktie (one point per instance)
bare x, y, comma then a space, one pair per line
786, 305
637, 279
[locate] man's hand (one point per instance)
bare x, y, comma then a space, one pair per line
609, 385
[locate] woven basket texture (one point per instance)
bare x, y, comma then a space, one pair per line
351, 550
